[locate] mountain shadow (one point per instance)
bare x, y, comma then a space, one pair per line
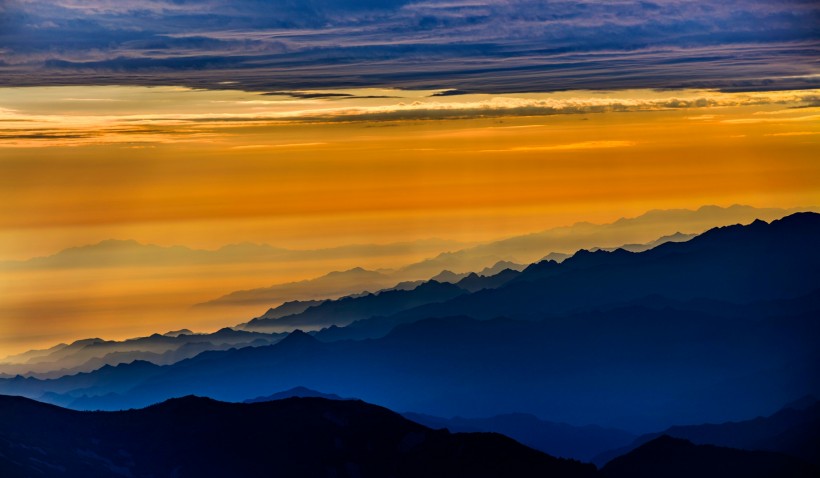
296, 437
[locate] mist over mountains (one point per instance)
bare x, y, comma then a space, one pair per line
633, 234
665, 337
351, 283
180, 271
90, 354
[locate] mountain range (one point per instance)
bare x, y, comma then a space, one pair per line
793, 430
91, 354
618, 275
646, 363
618, 339
634, 234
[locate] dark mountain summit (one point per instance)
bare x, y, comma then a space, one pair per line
297, 437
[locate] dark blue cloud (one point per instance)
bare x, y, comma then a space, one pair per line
473, 45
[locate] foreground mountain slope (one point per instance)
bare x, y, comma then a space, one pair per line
667, 457
297, 437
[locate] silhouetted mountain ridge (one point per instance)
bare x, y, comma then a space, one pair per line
636, 234
342, 311
733, 263
296, 437
89, 354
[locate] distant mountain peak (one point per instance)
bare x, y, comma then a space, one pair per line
297, 338
299, 391
177, 333
447, 276
356, 270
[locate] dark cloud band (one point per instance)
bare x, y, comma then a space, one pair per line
475, 46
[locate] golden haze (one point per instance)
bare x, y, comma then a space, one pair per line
204, 169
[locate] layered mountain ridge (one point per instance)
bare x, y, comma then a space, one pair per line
627, 322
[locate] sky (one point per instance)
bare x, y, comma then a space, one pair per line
319, 124
491, 46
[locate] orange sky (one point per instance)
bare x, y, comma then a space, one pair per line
204, 169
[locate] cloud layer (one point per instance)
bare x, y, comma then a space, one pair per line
473, 45
141, 116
